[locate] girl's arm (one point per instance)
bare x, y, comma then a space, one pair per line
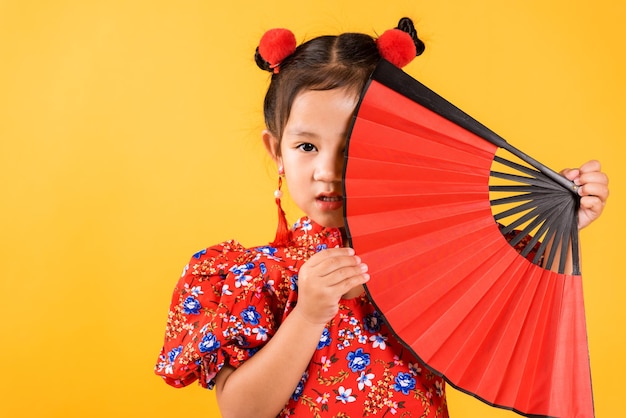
263, 384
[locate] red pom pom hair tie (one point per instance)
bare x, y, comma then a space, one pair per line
276, 45
397, 47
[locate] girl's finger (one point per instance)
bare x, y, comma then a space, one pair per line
590, 166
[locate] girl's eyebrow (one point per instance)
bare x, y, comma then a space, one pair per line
306, 134
302, 133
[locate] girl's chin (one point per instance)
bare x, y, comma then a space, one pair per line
329, 221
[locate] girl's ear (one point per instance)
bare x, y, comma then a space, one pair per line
272, 146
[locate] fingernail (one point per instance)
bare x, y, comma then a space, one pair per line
363, 267
366, 277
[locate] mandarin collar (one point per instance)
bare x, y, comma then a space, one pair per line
306, 232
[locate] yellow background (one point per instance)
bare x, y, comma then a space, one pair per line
129, 139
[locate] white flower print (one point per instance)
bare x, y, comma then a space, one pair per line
226, 291
306, 225
196, 290
365, 380
261, 333
379, 341
345, 395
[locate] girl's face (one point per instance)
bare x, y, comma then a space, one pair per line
312, 152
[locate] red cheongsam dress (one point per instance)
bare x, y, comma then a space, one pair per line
230, 301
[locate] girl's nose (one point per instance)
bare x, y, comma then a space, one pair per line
330, 168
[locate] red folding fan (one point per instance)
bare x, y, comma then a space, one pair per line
444, 224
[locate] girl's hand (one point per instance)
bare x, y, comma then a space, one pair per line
323, 279
594, 190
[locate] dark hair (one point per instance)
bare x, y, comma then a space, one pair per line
322, 63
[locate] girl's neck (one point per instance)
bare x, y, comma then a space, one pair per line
355, 292
344, 237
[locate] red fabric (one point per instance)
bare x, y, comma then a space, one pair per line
229, 302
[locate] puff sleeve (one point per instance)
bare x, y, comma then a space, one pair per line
221, 312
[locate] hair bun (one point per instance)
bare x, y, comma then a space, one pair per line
276, 45
405, 24
400, 45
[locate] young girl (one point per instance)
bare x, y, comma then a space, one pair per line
286, 329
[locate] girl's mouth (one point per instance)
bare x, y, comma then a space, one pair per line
330, 202
330, 198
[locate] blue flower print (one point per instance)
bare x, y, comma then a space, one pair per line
294, 282
320, 247
267, 250
358, 360
241, 279
174, 352
325, 339
199, 254
191, 306
404, 383
242, 269
300, 388
305, 225
263, 268
372, 322
250, 315
209, 343
261, 333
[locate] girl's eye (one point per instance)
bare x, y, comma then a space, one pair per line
307, 147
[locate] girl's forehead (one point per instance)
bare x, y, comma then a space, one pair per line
327, 94
322, 102
317, 113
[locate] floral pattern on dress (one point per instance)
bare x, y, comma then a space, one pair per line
360, 369
229, 302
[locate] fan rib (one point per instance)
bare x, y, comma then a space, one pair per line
524, 169
539, 182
